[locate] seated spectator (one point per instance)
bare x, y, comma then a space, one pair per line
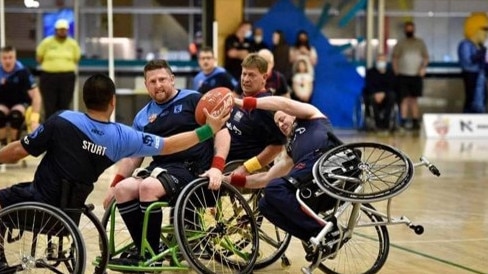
211, 75
379, 92
275, 81
259, 44
302, 80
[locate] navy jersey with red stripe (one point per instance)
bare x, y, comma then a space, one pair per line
175, 116
78, 149
14, 85
308, 136
252, 131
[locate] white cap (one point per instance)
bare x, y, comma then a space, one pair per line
62, 24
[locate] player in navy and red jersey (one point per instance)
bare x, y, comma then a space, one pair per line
306, 128
169, 112
18, 90
254, 135
211, 76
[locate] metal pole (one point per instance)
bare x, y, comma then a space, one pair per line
2, 23
111, 72
369, 33
76, 11
381, 26
215, 39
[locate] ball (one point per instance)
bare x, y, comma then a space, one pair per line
215, 101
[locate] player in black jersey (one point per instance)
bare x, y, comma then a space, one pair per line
254, 135
18, 90
306, 128
169, 112
79, 146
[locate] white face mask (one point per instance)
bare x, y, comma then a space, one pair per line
381, 65
248, 34
258, 39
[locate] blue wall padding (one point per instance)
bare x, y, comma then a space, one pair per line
337, 84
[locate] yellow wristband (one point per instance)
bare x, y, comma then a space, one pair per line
252, 164
34, 117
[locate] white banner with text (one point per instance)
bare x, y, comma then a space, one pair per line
447, 126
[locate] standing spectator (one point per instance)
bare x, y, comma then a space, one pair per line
237, 47
281, 54
18, 91
58, 56
259, 44
303, 49
211, 75
472, 59
410, 60
275, 81
378, 92
302, 80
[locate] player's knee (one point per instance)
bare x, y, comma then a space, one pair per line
16, 119
3, 119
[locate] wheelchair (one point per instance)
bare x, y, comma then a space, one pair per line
355, 238
273, 241
363, 116
207, 231
40, 238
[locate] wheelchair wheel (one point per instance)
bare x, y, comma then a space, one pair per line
38, 238
273, 241
94, 237
216, 230
363, 172
366, 250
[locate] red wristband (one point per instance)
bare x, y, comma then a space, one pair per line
238, 180
218, 162
249, 103
116, 180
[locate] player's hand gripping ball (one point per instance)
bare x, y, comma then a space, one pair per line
215, 101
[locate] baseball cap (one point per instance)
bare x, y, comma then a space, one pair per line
61, 24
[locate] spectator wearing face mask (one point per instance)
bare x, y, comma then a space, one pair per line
259, 44
410, 60
303, 49
379, 92
237, 46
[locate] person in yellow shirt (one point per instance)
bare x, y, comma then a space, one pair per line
58, 56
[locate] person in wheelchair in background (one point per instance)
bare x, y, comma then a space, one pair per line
308, 135
79, 146
18, 91
379, 94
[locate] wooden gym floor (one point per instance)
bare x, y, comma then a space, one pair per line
452, 208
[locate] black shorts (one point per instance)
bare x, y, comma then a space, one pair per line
181, 177
22, 192
409, 86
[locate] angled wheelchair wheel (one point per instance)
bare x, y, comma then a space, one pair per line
363, 251
39, 238
363, 172
216, 230
94, 237
273, 241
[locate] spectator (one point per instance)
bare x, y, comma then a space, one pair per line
303, 49
378, 92
281, 54
275, 81
410, 60
259, 44
18, 90
472, 59
237, 47
58, 56
302, 80
211, 75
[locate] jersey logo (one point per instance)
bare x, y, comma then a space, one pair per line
152, 117
97, 131
238, 116
147, 140
300, 130
178, 109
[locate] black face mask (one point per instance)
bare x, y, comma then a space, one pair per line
409, 34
